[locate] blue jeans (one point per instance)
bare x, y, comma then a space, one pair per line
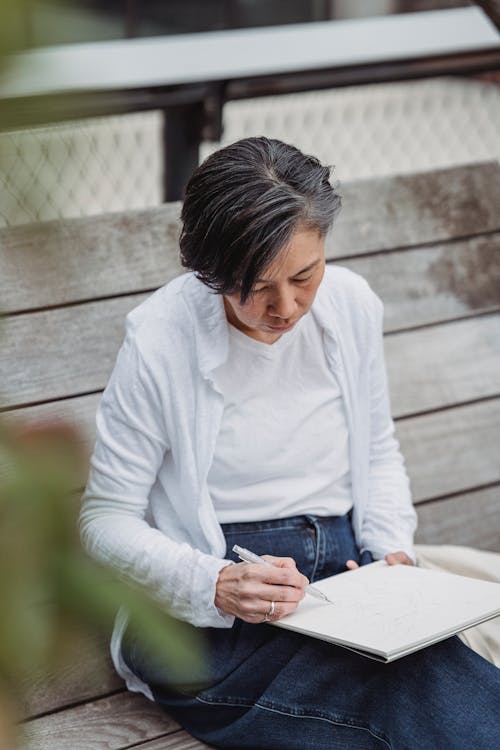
272, 689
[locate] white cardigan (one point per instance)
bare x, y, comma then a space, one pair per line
147, 510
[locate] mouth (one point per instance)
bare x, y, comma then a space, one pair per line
282, 328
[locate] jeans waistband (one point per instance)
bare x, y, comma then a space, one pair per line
291, 522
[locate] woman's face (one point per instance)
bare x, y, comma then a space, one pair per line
285, 292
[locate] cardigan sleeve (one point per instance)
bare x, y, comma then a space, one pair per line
390, 520
131, 443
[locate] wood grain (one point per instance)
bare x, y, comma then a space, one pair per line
57, 262
444, 365
472, 519
52, 354
453, 450
426, 285
87, 676
111, 723
386, 213
79, 412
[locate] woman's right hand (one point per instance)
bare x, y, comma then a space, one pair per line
247, 590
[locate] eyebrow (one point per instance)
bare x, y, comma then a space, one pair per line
307, 268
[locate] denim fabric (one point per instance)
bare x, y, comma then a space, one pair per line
272, 689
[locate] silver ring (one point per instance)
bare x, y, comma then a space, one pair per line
269, 614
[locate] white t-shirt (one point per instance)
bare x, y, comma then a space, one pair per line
283, 445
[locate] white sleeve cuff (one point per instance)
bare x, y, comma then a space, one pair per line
205, 613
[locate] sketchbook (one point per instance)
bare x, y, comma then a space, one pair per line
386, 611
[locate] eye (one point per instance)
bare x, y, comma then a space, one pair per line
303, 279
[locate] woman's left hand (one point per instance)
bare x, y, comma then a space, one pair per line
393, 558
398, 558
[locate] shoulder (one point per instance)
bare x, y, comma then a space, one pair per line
348, 305
349, 292
159, 307
166, 320
179, 305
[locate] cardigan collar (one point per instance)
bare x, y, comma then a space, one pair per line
210, 325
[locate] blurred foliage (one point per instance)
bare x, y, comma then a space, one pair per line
50, 591
13, 14
49, 588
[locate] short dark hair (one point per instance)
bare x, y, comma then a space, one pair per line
242, 205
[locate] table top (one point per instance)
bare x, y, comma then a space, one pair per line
233, 54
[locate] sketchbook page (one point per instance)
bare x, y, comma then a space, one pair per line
386, 609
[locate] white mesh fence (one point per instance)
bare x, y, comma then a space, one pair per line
80, 168
377, 130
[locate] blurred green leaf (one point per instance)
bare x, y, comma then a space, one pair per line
52, 587
14, 16
50, 592
89, 590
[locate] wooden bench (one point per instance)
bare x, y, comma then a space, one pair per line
429, 245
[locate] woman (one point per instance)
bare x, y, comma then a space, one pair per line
249, 405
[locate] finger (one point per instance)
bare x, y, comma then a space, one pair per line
280, 562
351, 565
281, 576
282, 593
398, 558
281, 609
252, 592
253, 587
407, 560
391, 559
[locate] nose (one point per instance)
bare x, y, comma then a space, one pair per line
283, 305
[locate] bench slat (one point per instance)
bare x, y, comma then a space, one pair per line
79, 411
452, 451
56, 353
401, 211
429, 368
431, 284
58, 262
54, 263
472, 519
88, 676
432, 368
111, 723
